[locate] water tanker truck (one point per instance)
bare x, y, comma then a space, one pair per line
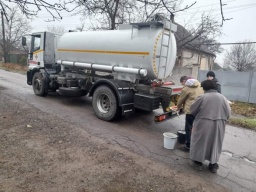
120, 69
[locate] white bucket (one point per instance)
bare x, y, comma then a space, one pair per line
169, 140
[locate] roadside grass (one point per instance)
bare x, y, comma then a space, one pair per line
13, 67
243, 115
246, 123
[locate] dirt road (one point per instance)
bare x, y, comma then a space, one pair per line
47, 150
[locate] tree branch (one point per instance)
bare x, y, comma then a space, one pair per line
222, 15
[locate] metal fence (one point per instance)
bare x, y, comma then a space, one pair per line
18, 58
236, 86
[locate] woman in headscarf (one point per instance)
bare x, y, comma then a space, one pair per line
211, 111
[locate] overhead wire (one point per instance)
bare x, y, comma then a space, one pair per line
186, 12
224, 8
210, 5
239, 43
218, 15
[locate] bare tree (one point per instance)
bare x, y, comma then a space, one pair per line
16, 26
111, 9
31, 8
111, 12
108, 13
241, 57
56, 29
201, 36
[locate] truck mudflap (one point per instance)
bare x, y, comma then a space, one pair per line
30, 74
29, 77
127, 109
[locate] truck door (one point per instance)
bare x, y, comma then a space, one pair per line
49, 49
36, 51
42, 50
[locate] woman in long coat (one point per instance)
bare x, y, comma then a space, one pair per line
211, 111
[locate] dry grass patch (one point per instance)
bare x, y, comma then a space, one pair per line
243, 115
245, 109
14, 67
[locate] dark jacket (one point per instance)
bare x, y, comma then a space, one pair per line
218, 85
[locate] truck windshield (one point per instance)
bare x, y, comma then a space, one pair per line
36, 39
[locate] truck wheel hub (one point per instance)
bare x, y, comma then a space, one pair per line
103, 103
38, 84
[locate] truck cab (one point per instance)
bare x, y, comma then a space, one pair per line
42, 53
42, 50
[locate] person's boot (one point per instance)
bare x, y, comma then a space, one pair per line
185, 149
196, 164
213, 167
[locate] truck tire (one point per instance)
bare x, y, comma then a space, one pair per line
105, 104
39, 85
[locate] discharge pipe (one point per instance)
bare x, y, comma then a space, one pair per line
142, 72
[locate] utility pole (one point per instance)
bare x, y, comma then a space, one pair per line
4, 53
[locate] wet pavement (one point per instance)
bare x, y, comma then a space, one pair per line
140, 134
237, 163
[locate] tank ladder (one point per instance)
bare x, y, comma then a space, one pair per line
166, 33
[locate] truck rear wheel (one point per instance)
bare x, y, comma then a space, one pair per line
39, 84
105, 104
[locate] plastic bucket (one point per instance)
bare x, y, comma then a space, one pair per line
181, 136
169, 140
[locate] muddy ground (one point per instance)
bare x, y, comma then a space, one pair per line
40, 152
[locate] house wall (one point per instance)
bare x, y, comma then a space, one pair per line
206, 62
190, 58
178, 72
189, 64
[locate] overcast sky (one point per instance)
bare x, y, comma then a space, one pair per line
241, 27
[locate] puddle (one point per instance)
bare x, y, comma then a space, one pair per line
248, 160
227, 153
233, 155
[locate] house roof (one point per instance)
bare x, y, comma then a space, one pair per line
216, 66
183, 36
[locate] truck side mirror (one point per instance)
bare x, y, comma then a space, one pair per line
24, 43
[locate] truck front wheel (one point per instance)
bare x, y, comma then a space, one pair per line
105, 104
39, 84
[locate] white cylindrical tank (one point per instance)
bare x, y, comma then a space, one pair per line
147, 47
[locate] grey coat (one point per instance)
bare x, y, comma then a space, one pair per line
211, 112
